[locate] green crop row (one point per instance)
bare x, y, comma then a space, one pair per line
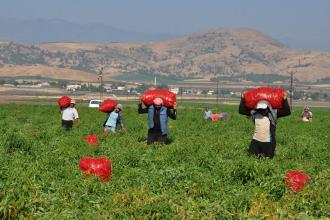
204, 173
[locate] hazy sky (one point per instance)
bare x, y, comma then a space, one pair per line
309, 20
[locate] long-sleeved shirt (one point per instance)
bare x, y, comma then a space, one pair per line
171, 113
158, 118
114, 119
69, 114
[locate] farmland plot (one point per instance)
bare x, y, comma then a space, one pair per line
204, 172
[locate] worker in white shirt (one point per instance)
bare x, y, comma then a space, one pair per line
70, 115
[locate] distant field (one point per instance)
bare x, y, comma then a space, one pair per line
204, 173
147, 77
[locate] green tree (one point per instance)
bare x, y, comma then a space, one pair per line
163, 86
142, 88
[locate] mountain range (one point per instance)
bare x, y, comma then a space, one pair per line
58, 30
213, 53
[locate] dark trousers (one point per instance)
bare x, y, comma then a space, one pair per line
156, 136
67, 124
259, 149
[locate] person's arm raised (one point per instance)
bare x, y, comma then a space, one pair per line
285, 111
142, 110
172, 113
242, 108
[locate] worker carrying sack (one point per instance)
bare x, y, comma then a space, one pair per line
100, 167
64, 101
273, 95
168, 97
108, 105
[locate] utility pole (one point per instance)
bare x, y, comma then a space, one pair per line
181, 94
100, 78
291, 89
155, 81
218, 91
217, 78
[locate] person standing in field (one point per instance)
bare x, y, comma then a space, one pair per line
157, 120
70, 115
114, 120
264, 118
307, 115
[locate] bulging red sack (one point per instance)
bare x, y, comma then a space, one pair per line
91, 139
169, 98
295, 180
215, 117
96, 166
64, 101
273, 95
107, 105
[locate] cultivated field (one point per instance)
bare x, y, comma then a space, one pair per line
204, 173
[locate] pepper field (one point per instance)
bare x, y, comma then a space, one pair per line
204, 173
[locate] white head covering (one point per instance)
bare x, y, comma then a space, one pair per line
158, 101
120, 106
262, 104
272, 115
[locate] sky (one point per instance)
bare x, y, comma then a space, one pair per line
301, 23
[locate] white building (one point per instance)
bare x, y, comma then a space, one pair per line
210, 92
73, 87
44, 84
9, 85
175, 90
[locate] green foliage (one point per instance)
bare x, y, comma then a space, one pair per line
142, 88
204, 173
14, 140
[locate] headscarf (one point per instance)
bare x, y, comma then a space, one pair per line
272, 114
158, 101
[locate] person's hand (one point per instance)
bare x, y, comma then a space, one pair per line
285, 96
242, 94
174, 106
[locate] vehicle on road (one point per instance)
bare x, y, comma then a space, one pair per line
94, 103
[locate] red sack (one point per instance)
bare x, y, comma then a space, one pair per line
107, 105
273, 95
215, 117
64, 101
91, 139
97, 166
169, 98
295, 180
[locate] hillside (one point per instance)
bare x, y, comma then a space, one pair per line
206, 54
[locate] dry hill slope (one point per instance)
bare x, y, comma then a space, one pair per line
206, 54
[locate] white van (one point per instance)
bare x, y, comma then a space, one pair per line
94, 103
